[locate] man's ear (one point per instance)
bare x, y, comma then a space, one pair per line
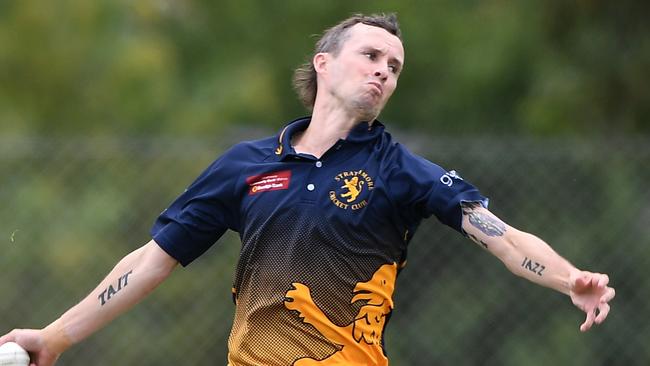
320, 62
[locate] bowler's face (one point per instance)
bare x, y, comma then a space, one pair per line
364, 74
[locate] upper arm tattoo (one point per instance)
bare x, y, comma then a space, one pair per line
488, 224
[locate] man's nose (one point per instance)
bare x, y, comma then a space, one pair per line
382, 73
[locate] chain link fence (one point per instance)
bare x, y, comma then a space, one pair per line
72, 207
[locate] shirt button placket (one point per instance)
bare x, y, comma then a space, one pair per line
309, 195
311, 186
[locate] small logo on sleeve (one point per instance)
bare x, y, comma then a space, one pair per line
447, 180
274, 181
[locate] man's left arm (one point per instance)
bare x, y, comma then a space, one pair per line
530, 257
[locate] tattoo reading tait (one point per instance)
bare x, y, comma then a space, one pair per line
122, 282
534, 267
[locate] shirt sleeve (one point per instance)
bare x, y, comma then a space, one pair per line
423, 188
201, 214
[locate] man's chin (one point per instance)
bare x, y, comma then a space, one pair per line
367, 116
368, 111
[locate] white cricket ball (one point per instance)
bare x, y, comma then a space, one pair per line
11, 354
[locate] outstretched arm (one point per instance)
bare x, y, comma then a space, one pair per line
132, 279
530, 257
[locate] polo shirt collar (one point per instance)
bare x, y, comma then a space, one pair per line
361, 133
365, 132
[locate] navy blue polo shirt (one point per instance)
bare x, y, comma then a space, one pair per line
322, 239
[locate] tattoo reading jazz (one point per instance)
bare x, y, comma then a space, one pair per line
110, 291
534, 267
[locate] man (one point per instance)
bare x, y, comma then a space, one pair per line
325, 211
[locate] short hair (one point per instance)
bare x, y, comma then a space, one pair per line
304, 77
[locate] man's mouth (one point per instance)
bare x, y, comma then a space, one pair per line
376, 86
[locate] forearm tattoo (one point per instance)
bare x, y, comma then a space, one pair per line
122, 282
488, 224
535, 267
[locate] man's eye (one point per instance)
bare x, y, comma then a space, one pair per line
370, 55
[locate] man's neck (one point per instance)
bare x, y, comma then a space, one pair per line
325, 129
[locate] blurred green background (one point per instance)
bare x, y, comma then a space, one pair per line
198, 67
108, 109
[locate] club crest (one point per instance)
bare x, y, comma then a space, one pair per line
351, 189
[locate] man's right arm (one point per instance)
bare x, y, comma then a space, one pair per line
132, 279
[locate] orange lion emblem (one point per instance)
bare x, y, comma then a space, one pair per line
361, 339
354, 187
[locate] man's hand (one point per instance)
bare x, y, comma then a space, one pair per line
33, 342
590, 293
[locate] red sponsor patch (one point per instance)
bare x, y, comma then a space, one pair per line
269, 182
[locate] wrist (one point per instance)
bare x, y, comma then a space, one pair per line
573, 275
55, 338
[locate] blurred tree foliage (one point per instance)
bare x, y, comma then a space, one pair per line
193, 67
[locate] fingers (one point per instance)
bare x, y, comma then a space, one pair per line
603, 280
9, 337
591, 279
603, 307
587, 280
591, 316
582, 281
608, 296
590, 292
603, 310
598, 280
